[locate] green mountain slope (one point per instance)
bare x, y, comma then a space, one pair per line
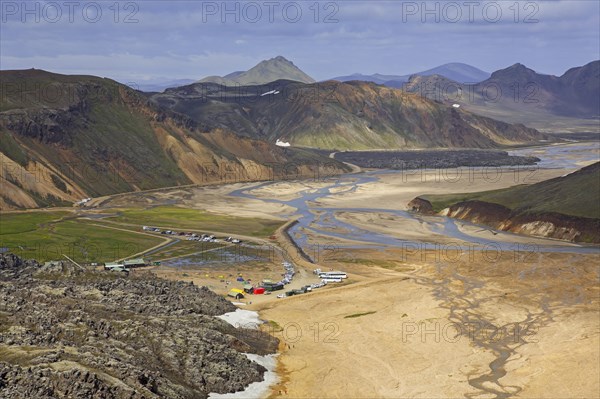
566, 207
334, 115
63, 138
264, 72
576, 194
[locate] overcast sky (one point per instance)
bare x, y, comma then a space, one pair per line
140, 40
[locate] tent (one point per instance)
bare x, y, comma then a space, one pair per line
240, 279
259, 290
236, 293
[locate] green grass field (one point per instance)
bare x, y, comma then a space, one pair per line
47, 236
19, 223
191, 219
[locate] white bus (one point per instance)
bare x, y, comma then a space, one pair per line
336, 274
325, 279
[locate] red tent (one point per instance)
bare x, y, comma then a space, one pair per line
259, 290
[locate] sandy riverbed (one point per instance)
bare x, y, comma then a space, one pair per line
407, 346
391, 298
395, 190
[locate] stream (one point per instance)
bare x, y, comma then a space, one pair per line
324, 222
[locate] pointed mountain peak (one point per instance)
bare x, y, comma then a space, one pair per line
514, 72
281, 59
266, 71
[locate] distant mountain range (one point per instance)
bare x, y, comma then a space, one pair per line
128, 140
456, 71
267, 71
516, 94
519, 94
157, 85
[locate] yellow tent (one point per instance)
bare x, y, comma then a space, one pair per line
235, 293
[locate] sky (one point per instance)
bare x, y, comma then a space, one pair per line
154, 40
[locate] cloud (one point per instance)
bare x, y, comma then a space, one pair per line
185, 39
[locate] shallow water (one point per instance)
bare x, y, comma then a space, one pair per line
323, 220
563, 156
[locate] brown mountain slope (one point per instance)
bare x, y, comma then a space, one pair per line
63, 138
334, 115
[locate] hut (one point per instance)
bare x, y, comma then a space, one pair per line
235, 293
112, 265
139, 262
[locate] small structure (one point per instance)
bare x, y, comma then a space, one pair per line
280, 143
259, 291
112, 265
139, 262
126, 264
83, 202
236, 293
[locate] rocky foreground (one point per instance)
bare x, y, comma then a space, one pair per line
66, 332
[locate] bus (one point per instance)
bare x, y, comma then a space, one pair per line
326, 279
336, 274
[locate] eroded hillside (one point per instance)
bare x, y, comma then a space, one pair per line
63, 138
